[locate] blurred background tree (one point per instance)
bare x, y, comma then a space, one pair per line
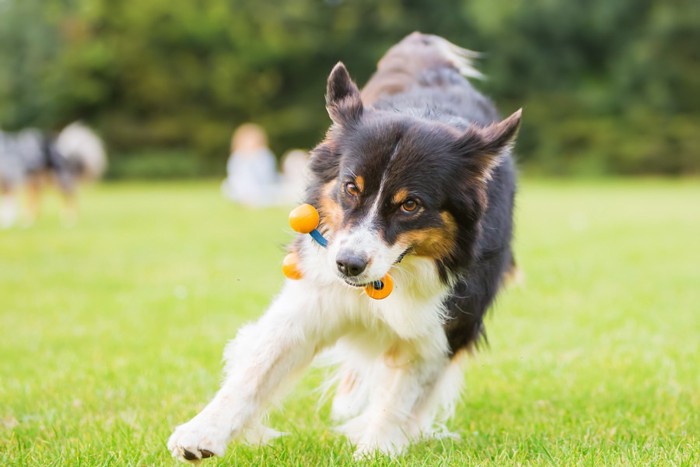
607, 87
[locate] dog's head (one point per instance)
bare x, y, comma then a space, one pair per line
389, 184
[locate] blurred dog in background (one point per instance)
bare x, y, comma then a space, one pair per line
30, 159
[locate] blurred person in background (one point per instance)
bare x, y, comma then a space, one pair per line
252, 177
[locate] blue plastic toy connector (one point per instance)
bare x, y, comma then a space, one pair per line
319, 238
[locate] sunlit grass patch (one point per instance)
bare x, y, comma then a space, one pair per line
113, 331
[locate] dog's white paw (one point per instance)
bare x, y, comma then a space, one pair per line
392, 442
259, 434
197, 439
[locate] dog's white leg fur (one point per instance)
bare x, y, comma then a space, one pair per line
391, 421
392, 389
351, 394
366, 389
432, 415
353, 380
262, 357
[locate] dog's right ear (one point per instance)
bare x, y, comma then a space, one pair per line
342, 97
485, 146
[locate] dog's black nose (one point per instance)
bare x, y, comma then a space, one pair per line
350, 264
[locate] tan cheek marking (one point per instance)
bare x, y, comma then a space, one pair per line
400, 196
435, 242
330, 211
450, 223
360, 182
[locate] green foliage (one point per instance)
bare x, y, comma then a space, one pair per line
114, 331
607, 87
154, 164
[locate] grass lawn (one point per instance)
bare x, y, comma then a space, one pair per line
113, 330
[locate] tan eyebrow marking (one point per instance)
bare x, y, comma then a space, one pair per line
360, 182
400, 196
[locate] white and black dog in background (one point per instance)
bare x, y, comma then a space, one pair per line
415, 176
29, 158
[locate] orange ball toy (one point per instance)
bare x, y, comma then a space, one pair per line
304, 218
380, 289
290, 267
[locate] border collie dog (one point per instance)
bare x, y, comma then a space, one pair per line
415, 177
28, 158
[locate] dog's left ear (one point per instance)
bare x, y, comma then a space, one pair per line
484, 147
342, 97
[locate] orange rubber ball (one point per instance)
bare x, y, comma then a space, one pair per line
290, 267
304, 218
380, 293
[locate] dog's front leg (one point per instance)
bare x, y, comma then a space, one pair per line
259, 361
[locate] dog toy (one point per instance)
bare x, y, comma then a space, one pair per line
305, 219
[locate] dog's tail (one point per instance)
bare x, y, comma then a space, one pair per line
405, 64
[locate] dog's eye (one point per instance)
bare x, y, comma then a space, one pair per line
409, 206
352, 189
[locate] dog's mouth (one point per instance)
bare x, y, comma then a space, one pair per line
356, 282
360, 284
353, 283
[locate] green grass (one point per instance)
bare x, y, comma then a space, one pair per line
113, 330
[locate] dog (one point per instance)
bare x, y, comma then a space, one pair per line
415, 176
29, 158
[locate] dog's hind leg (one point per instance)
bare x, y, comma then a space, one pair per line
389, 423
431, 412
351, 393
352, 380
440, 404
264, 357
